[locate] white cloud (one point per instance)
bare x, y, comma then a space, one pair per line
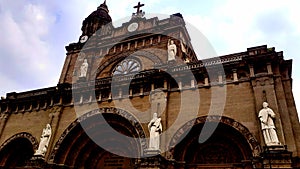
239, 24
35, 17
24, 46
234, 26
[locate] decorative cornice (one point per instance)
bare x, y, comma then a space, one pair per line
239, 62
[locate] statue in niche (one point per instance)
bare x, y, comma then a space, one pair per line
44, 141
84, 68
172, 50
266, 117
155, 128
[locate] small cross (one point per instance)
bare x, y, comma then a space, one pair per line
138, 6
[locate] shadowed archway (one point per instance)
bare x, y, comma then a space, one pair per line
229, 145
81, 150
17, 150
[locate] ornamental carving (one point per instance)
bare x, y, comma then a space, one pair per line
129, 55
127, 66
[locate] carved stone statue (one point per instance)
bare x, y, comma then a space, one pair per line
172, 50
44, 141
84, 68
155, 128
266, 116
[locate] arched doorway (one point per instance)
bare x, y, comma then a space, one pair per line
226, 147
78, 149
17, 150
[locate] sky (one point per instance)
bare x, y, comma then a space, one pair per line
34, 33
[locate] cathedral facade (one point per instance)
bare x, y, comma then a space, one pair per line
137, 96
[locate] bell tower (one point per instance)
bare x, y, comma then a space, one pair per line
96, 20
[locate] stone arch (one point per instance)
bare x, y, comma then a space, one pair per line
16, 150
75, 129
25, 135
114, 60
226, 121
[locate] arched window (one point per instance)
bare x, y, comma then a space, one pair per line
127, 66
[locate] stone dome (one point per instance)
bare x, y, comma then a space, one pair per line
96, 20
101, 12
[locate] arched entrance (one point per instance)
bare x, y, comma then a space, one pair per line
231, 145
17, 150
78, 149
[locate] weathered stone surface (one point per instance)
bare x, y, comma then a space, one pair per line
226, 90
